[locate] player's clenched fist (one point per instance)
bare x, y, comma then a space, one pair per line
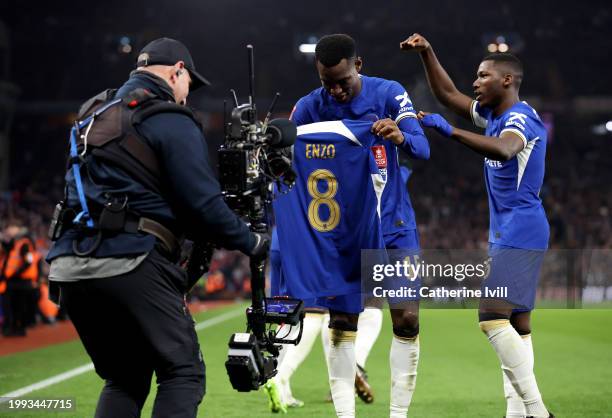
415, 42
388, 129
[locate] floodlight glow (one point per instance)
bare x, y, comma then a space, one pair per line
609, 126
492, 48
503, 47
307, 48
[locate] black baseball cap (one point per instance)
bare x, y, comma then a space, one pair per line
167, 51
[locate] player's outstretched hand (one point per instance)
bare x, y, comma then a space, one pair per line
435, 121
415, 42
388, 129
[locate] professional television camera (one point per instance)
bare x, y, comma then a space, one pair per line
254, 156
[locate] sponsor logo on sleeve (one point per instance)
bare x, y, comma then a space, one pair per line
516, 124
494, 163
406, 109
517, 119
403, 99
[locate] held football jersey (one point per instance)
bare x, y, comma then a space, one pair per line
382, 99
332, 212
517, 217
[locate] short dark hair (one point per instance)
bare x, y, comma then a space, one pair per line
510, 61
331, 49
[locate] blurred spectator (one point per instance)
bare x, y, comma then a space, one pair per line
20, 277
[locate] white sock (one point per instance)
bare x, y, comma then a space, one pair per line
516, 365
529, 347
295, 354
283, 330
531, 361
341, 369
325, 335
514, 404
403, 359
368, 329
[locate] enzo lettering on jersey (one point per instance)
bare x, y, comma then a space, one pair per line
320, 151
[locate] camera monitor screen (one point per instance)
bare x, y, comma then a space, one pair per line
282, 306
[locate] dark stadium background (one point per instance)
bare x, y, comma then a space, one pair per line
54, 55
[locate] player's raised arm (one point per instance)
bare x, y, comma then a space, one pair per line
509, 143
439, 81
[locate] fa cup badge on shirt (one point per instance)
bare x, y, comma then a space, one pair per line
380, 156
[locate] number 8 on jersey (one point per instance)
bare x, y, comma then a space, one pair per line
323, 198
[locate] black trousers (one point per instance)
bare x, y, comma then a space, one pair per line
16, 303
134, 325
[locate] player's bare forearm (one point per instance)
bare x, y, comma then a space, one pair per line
442, 85
439, 81
500, 149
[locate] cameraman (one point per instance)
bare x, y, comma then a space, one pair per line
119, 279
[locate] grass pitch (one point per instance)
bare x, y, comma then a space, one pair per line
459, 375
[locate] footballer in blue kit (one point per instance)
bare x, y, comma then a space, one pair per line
514, 147
346, 94
322, 223
518, 228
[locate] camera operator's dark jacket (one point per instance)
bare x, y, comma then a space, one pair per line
192, 202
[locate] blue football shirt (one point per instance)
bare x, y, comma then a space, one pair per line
382, 99
331, 213
517, 218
